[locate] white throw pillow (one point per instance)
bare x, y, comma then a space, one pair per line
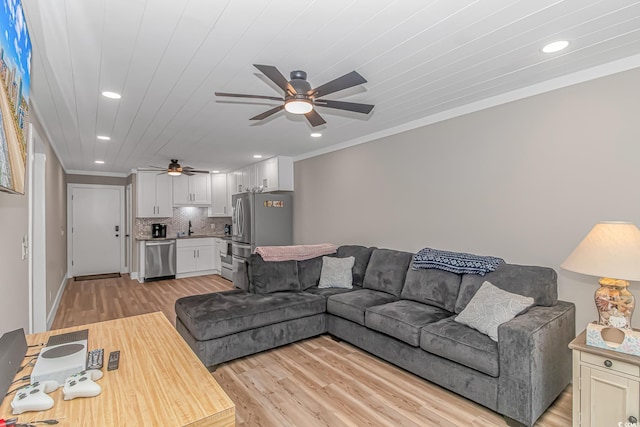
336, 272
490, 307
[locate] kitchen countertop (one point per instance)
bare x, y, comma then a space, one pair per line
193, 236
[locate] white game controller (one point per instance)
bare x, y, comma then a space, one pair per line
33, 397
82, 384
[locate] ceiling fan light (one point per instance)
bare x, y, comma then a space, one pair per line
174, 172
298, 106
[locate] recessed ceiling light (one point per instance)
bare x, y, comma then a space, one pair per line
111, 95
316, 135
215, 171
555, 46
257, 156
104, 137
99, 162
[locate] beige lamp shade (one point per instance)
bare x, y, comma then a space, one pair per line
611, 249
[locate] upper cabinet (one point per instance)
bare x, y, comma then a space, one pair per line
245, 179
219, 198
232, 188
153, 195
192, 190
274, 174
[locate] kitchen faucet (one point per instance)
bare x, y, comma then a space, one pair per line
190, 231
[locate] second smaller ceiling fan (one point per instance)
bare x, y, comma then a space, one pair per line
174, 169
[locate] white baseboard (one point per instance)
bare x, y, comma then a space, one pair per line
133, 275
56, 302
196, 273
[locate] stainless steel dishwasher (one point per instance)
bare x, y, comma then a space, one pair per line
160, 260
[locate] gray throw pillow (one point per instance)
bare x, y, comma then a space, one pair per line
490, 307
336, 272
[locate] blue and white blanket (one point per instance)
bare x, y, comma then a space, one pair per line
455, 262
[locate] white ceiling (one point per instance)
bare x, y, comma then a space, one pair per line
167, 57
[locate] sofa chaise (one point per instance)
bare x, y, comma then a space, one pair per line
404, 316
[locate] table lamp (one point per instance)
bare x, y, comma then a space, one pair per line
610, 251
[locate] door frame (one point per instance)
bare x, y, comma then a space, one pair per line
37, 233
121, 192
128, 234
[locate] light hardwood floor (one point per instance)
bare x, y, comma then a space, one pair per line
315, 382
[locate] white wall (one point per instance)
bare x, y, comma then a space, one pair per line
524, 181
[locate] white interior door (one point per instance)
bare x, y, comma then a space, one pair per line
97, 233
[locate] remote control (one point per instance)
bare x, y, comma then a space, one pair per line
95, 358
114, 360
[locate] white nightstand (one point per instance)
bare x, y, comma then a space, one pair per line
606, 386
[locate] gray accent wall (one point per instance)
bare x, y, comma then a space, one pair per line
524, 181
96, 179
14, 272
14, 277
56, 223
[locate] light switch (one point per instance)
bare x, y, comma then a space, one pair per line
25, 247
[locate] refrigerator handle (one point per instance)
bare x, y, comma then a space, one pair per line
241, 217
238, 224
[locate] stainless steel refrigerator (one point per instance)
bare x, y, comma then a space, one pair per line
259, 219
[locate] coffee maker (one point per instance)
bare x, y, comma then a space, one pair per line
158, 230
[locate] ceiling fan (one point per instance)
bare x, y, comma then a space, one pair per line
300, 98
174, 169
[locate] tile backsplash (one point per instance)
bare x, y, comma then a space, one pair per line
200, 222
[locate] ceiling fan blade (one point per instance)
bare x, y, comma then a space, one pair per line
267, 113
314, 118
342, 105
276, 76
188, 173
240, 95
192, 170
348, 80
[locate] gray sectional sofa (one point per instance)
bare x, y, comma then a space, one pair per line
403, 316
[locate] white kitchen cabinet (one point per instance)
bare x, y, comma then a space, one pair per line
606, 386
245, 179
219, 200
238, 181
267, 174
153, 195
195, 257
192, 190
232, 186
275, 174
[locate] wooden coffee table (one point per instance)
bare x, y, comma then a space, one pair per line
160, 381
